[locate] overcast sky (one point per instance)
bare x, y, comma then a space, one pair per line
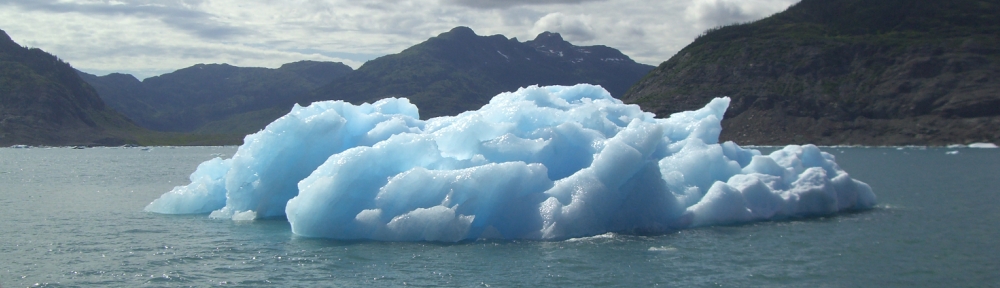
151, 37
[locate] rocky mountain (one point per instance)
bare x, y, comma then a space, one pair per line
214, 98
459, 71
448, 74
44, 102
890, 72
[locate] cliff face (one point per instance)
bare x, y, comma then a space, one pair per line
44, 102
890, 73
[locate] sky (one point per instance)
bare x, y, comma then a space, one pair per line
151, 37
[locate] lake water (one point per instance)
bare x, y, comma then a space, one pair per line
74, 218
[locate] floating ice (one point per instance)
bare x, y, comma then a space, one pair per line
541, 163
662, 249
983, 145
206, 192
986, 145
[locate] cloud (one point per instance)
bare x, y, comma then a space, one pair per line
146, 60
571, 27
142, 37
712, 13
177, 13
503, 4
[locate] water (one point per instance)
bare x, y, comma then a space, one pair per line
74, 218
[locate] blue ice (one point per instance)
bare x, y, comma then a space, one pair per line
550, 162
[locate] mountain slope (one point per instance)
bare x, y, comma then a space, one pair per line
188, 99
44, 102
889, 72
459, 71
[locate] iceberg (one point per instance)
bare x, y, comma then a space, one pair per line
983, 145
548, 163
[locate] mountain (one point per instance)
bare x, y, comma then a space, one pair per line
459, 71
889, 72
446, 75
214, 98
44, 102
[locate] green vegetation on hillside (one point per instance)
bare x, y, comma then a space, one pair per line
43, 101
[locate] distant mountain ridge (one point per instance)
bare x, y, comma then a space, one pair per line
44, 102
191, 98
445, 75
459, 71
891, 72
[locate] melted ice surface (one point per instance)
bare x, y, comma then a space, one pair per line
551, 162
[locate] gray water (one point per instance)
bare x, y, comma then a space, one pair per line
74, 218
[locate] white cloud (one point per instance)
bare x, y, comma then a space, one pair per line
712, 13
147, 37
572, 28
493, 4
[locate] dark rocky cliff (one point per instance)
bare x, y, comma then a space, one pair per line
834, 72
